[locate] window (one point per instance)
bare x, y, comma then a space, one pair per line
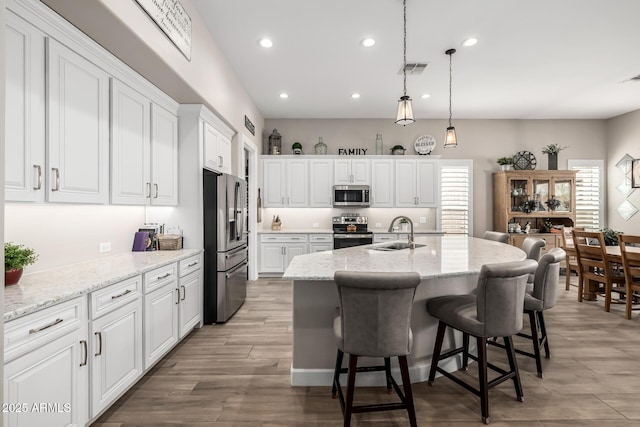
455, 196
589, 193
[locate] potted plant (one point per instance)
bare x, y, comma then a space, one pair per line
505, 163
552, 151
610, 236
397, 149
404, 224
16, 257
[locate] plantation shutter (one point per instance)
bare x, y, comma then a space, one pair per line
455, 198
589, 194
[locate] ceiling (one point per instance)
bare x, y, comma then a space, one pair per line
544, 59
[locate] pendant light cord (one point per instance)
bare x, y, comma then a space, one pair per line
450, 52
404, 61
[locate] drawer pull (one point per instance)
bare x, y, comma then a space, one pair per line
42, 328
84, 345
192, 264
164, 276
99, 334
128, 291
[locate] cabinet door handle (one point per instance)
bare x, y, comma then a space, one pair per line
148, 190
99, 335
56, 172
156, 188
288, 200
39, 180
184, 293
86, 356
220, 161
42, 328
164, 276
192, 264
282, 200
178, 296
128, 291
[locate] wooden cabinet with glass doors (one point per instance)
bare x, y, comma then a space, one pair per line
545, 199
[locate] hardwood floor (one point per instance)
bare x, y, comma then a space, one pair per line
237, 374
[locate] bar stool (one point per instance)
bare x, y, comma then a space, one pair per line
495, 310
496, 236
542, 297
374, 321
532, 246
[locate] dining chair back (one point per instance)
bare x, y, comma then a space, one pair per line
496, 236
571, 261
631, 267
595, 268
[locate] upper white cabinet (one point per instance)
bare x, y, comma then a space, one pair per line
320, 183
352, 171
416, 183
216, 150
144, 150
285, 183
24, 112
382, 183
164, 157
77, 128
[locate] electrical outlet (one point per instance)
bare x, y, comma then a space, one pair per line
315, 225
105, 247
423, 220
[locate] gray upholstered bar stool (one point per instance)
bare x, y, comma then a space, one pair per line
532, 246
496, 236
374, 321
494, 310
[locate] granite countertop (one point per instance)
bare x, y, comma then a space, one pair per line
297, 231
442, 256
43, 289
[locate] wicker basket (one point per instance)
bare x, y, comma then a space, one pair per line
169, 242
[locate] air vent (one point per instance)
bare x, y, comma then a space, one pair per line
632, 79
414, 68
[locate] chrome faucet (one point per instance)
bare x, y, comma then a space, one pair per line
412, 245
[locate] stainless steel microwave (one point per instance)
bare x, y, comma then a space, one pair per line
351, 195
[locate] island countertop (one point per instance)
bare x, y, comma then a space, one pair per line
42, 289
442, 256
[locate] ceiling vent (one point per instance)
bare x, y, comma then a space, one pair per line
413, 68
632, 79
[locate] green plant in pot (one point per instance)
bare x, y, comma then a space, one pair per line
505, 163
16, 257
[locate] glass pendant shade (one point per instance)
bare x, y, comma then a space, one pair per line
450, 139
405, 111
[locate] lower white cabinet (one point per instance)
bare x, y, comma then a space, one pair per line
160, 322
190, 302
277, 251
384, 237
46, 368
320, 243
116, 341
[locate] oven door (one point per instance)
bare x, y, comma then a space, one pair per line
352, 239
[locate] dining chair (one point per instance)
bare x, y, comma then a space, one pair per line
594, 267
631, 267
496, 236
571, 261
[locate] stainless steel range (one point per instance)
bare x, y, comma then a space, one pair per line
350, 229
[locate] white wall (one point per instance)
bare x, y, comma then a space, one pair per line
623, 138
2, 83
481, 140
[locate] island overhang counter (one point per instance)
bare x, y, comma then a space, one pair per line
448, 264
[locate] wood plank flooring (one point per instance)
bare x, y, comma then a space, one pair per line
237, 374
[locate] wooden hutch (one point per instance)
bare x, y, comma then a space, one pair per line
537, 197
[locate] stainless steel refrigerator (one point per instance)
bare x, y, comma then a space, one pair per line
225, 245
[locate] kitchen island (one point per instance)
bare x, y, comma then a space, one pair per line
447, 264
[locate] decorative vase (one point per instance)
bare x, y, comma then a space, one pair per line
553, 162
378, 143
321, 147
505, 167
11, 277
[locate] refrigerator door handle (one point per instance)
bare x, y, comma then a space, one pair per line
229, 273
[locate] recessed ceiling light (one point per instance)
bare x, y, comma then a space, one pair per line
355, 95
425, 95
470, 42
284, 95
368, 42
265, 43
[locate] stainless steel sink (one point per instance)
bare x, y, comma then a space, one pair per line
396, 246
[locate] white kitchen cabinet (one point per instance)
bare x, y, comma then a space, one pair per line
116, 341
416, 184
277, 251
320, 183
164, 157
24, 112
46, 364
190, 302
384, 237
382, 183
285, 183
352, 171
77, 128
320, 242
144, 150
216, 150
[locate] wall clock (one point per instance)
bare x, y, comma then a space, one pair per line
524, 160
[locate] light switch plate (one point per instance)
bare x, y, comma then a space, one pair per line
316, 225
105, 247
423, 220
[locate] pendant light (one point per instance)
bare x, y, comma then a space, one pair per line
405, 110
450, 139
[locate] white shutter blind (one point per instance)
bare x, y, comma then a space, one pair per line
588, 196
455, 198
